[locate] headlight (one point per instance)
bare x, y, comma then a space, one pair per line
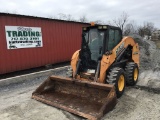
99, 27
104, 27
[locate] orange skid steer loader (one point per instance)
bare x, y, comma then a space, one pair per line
99, 72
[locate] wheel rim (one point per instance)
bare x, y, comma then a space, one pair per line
121, 83
135, 74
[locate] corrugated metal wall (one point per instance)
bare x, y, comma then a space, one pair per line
60, 40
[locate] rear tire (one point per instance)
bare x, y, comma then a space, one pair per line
117, 78
132, 72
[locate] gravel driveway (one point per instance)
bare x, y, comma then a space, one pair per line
137, 103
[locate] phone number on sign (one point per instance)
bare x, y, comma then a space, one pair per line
32, 38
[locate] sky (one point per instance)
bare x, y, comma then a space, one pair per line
105, 10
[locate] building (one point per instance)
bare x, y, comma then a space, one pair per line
29, 42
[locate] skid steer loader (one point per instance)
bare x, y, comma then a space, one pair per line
99, 72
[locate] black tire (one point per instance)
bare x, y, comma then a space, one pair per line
132, 73
114, 78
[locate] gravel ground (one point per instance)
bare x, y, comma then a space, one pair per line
16, 104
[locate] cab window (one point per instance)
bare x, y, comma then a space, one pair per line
114, 38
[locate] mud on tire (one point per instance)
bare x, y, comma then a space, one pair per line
117, 78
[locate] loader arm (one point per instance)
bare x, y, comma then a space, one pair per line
108, 60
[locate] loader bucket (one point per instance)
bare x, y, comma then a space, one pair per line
87, 99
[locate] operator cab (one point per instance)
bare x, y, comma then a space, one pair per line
96, 41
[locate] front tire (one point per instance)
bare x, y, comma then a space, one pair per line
117, 78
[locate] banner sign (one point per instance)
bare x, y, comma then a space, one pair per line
23, 37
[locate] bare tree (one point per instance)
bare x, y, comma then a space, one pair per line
121, 21
62, 16
146, 29
130, 28
99, 22
69, 17
109, 22
50, 16
83, 19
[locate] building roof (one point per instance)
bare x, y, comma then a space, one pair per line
37, 17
